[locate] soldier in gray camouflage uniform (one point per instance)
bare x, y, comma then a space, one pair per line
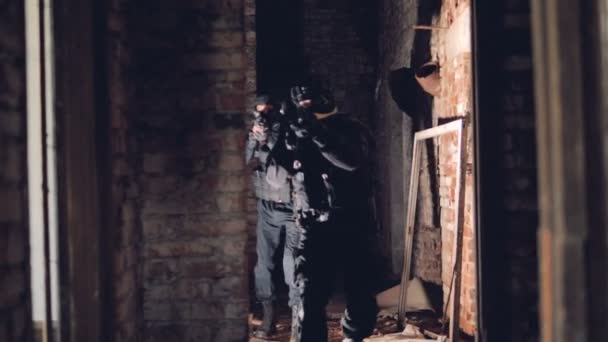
275, 213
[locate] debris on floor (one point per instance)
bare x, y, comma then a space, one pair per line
417, 299
420, 316
284, 329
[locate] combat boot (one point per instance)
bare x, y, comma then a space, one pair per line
267, 328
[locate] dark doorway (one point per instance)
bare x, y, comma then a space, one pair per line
280, 53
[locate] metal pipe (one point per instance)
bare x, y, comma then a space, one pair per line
50, 337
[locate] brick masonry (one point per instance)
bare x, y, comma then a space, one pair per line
192, 77
427, 260
401, 47
390, 124
340, 44
250, 49
15, 300
451, 47
125, 227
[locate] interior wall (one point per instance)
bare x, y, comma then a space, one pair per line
191, 75
392, 127
428, 246
124, 224
279, 45
402, 46
451, 48
340, 45
15, 302
402, 108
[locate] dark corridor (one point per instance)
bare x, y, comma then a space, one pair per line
280, 59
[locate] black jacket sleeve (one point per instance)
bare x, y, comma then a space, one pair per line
345, 144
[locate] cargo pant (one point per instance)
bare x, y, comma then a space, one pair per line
342, 244
274, 220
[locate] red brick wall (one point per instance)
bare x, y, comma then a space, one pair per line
192, 78
451, 47
15, 315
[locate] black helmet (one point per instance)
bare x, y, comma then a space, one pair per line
321, 99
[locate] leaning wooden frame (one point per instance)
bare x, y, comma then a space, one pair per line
457, 126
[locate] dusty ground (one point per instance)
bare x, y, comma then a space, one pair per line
283, 330
383, 327
386, 326
334, 312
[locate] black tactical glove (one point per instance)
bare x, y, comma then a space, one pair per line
309, 99
259, 131
305, 125
310, 126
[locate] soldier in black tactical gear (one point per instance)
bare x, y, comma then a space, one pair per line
275, 213
332, 199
